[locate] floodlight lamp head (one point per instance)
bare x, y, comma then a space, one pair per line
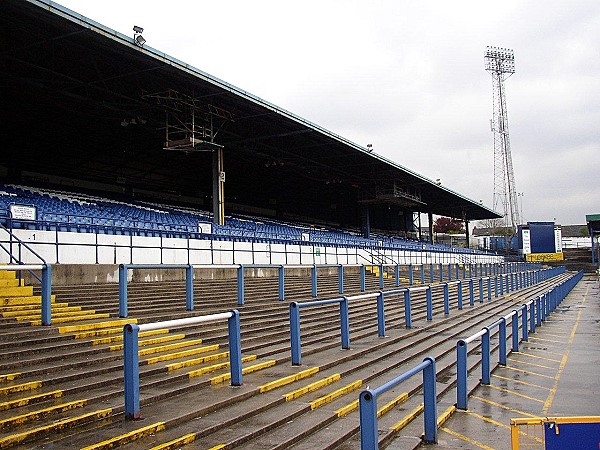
139, 40
137, 29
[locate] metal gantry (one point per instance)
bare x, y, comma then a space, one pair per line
500, 62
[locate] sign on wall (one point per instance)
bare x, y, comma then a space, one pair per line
205, 227
23, 212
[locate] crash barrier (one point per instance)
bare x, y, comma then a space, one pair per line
189, 283
555, 433
368, 405
46, 280
295, 340
131, 357
532, 313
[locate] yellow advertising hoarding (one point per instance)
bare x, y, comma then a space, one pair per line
543, 257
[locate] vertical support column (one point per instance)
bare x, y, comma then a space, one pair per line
502, 346
341, 279
430, 220
240, 284
189, 288
381, 281
397, 274
515, 331
532, 317
363, 278
431, 273
429, 303
380, 315
218, 179
235, 348
411, 275
47, 295
496, 286
441, 268
461, 374
457, 271
460, 295
524, 323
464, 275
369, 434
295, 344
407, 310
313, 272
422, 273
485, 357
131, 371
449, 272
481, 290
489, 288
430, 401
344, 323
538, 310
281, 273
446, 299
122, 290
471, 292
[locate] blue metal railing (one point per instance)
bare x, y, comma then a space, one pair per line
533, 313
369, 434
131, 356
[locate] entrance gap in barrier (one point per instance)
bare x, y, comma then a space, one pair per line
131, 355
369, 434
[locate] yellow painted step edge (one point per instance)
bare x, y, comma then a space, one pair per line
117, 335
20, 387
151, 341
183, 354
345, 410
176, 443
287, 380
35, 415
311, 387
10, 376
27, 400
214, 367
72, 319
21, 437
408, 418
335, 394
392, 404
95, 326
256, 367
127, 437
196, 361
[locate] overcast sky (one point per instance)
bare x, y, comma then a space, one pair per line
408, 77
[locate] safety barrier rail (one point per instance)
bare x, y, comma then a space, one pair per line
123, 275
368, 405
131, 356
532, 313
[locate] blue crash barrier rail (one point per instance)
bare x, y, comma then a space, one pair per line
532, 313
131, 357
369, 433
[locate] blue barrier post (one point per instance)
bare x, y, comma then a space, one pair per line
411, 275
189, 288
429, 303
471, 292
515, 331
496, 286
538, 310
363, 277
345, 323
446, 299
431, 273
313, 271
449, 272
295, 333
380, 315
368, 405
460, 295
407, 310
502, 337
397, 274
532, 317
485, 357
524, 323
131, 371
122, 290
341, 279
501, 284
46, 294
281, 274
381, 281
544, 306
240, 285
480, 290
422, 273
457, 271
441, 269
235, 348
461, 374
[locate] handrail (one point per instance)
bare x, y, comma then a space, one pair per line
131, 355
532, 311
369, 434
21, 243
